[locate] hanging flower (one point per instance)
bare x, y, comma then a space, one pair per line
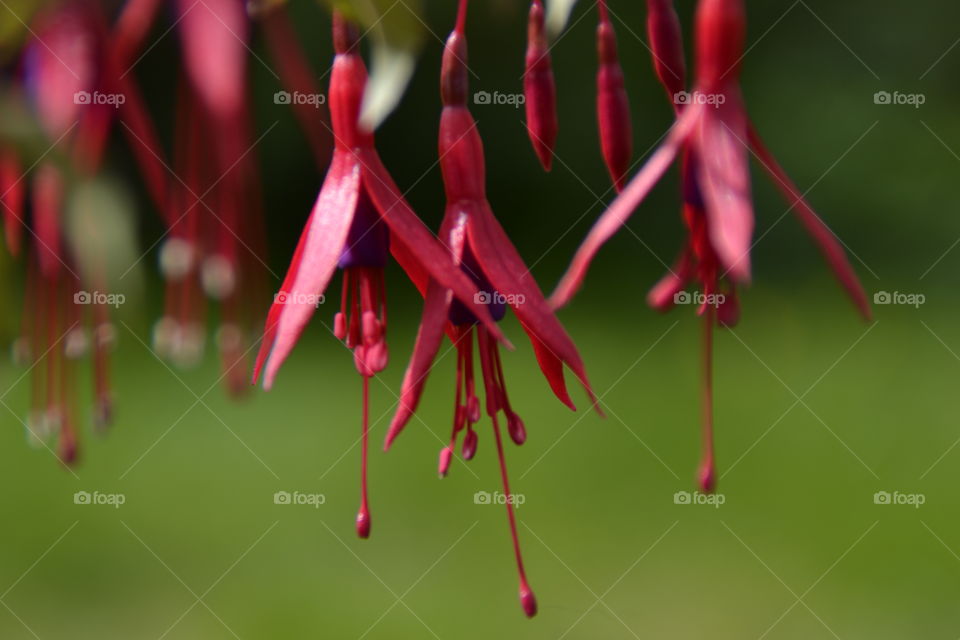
358, 219
713, 135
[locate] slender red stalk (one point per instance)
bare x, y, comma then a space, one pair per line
363, 517
461, 17
487, 350
707, 475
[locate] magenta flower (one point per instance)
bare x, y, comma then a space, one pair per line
482, 249
359, 218
53, 329
714, 136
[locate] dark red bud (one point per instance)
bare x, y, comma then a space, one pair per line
666, 45
613, 107
539, 89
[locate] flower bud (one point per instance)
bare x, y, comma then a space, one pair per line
613, 107
539, 89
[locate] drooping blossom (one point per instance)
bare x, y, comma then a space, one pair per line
214, 248
713, 136
482, 249
360, 217
53, 332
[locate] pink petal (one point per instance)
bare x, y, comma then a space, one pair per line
662, 296
623, 207
405, 224
724, 180
508, 274
832, 250
214, 34
325, 238
436, 309
436, 306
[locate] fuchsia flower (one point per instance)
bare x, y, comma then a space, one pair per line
714, 136
482, 249
215, 243
359, 218
53, 334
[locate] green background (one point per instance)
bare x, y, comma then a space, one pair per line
816, 411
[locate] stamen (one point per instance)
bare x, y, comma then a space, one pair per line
363, 517
707, 472
487, 349
515, 426
459, 413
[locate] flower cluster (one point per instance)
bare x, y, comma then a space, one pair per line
468, 274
